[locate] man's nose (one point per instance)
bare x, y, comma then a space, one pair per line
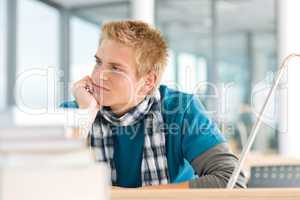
102, 73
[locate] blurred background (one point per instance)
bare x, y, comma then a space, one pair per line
224, 51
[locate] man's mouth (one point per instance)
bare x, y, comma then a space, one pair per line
100, 87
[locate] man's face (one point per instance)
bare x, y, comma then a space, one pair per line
115, 75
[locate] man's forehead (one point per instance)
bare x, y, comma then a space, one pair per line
113, 53
113, 47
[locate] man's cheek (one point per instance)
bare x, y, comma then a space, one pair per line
125, 92
125, 87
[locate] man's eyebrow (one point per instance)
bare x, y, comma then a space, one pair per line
111, 63
117, 64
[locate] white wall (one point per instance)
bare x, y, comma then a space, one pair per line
289, 42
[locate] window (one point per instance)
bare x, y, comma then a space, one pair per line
37, 51
187, 72
2, 54
201, 75
84, 43
169, 74
233, 73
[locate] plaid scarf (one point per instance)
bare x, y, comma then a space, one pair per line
154, 168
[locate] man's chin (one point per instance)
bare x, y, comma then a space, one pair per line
103, 100
104, 103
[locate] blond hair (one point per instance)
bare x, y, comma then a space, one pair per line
148, 43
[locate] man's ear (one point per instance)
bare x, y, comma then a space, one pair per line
150, 80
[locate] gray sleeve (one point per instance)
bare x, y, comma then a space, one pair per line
215, 167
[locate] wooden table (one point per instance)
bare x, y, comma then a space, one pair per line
210, 194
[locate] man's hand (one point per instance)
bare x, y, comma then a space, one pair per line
83, 92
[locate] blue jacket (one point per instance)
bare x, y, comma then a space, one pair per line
189, 133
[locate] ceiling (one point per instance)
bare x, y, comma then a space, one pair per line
78, 3
233, 15
188, 24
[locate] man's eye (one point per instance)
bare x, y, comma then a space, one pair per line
98, 62
114, 68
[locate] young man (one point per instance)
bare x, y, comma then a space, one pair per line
149, 135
